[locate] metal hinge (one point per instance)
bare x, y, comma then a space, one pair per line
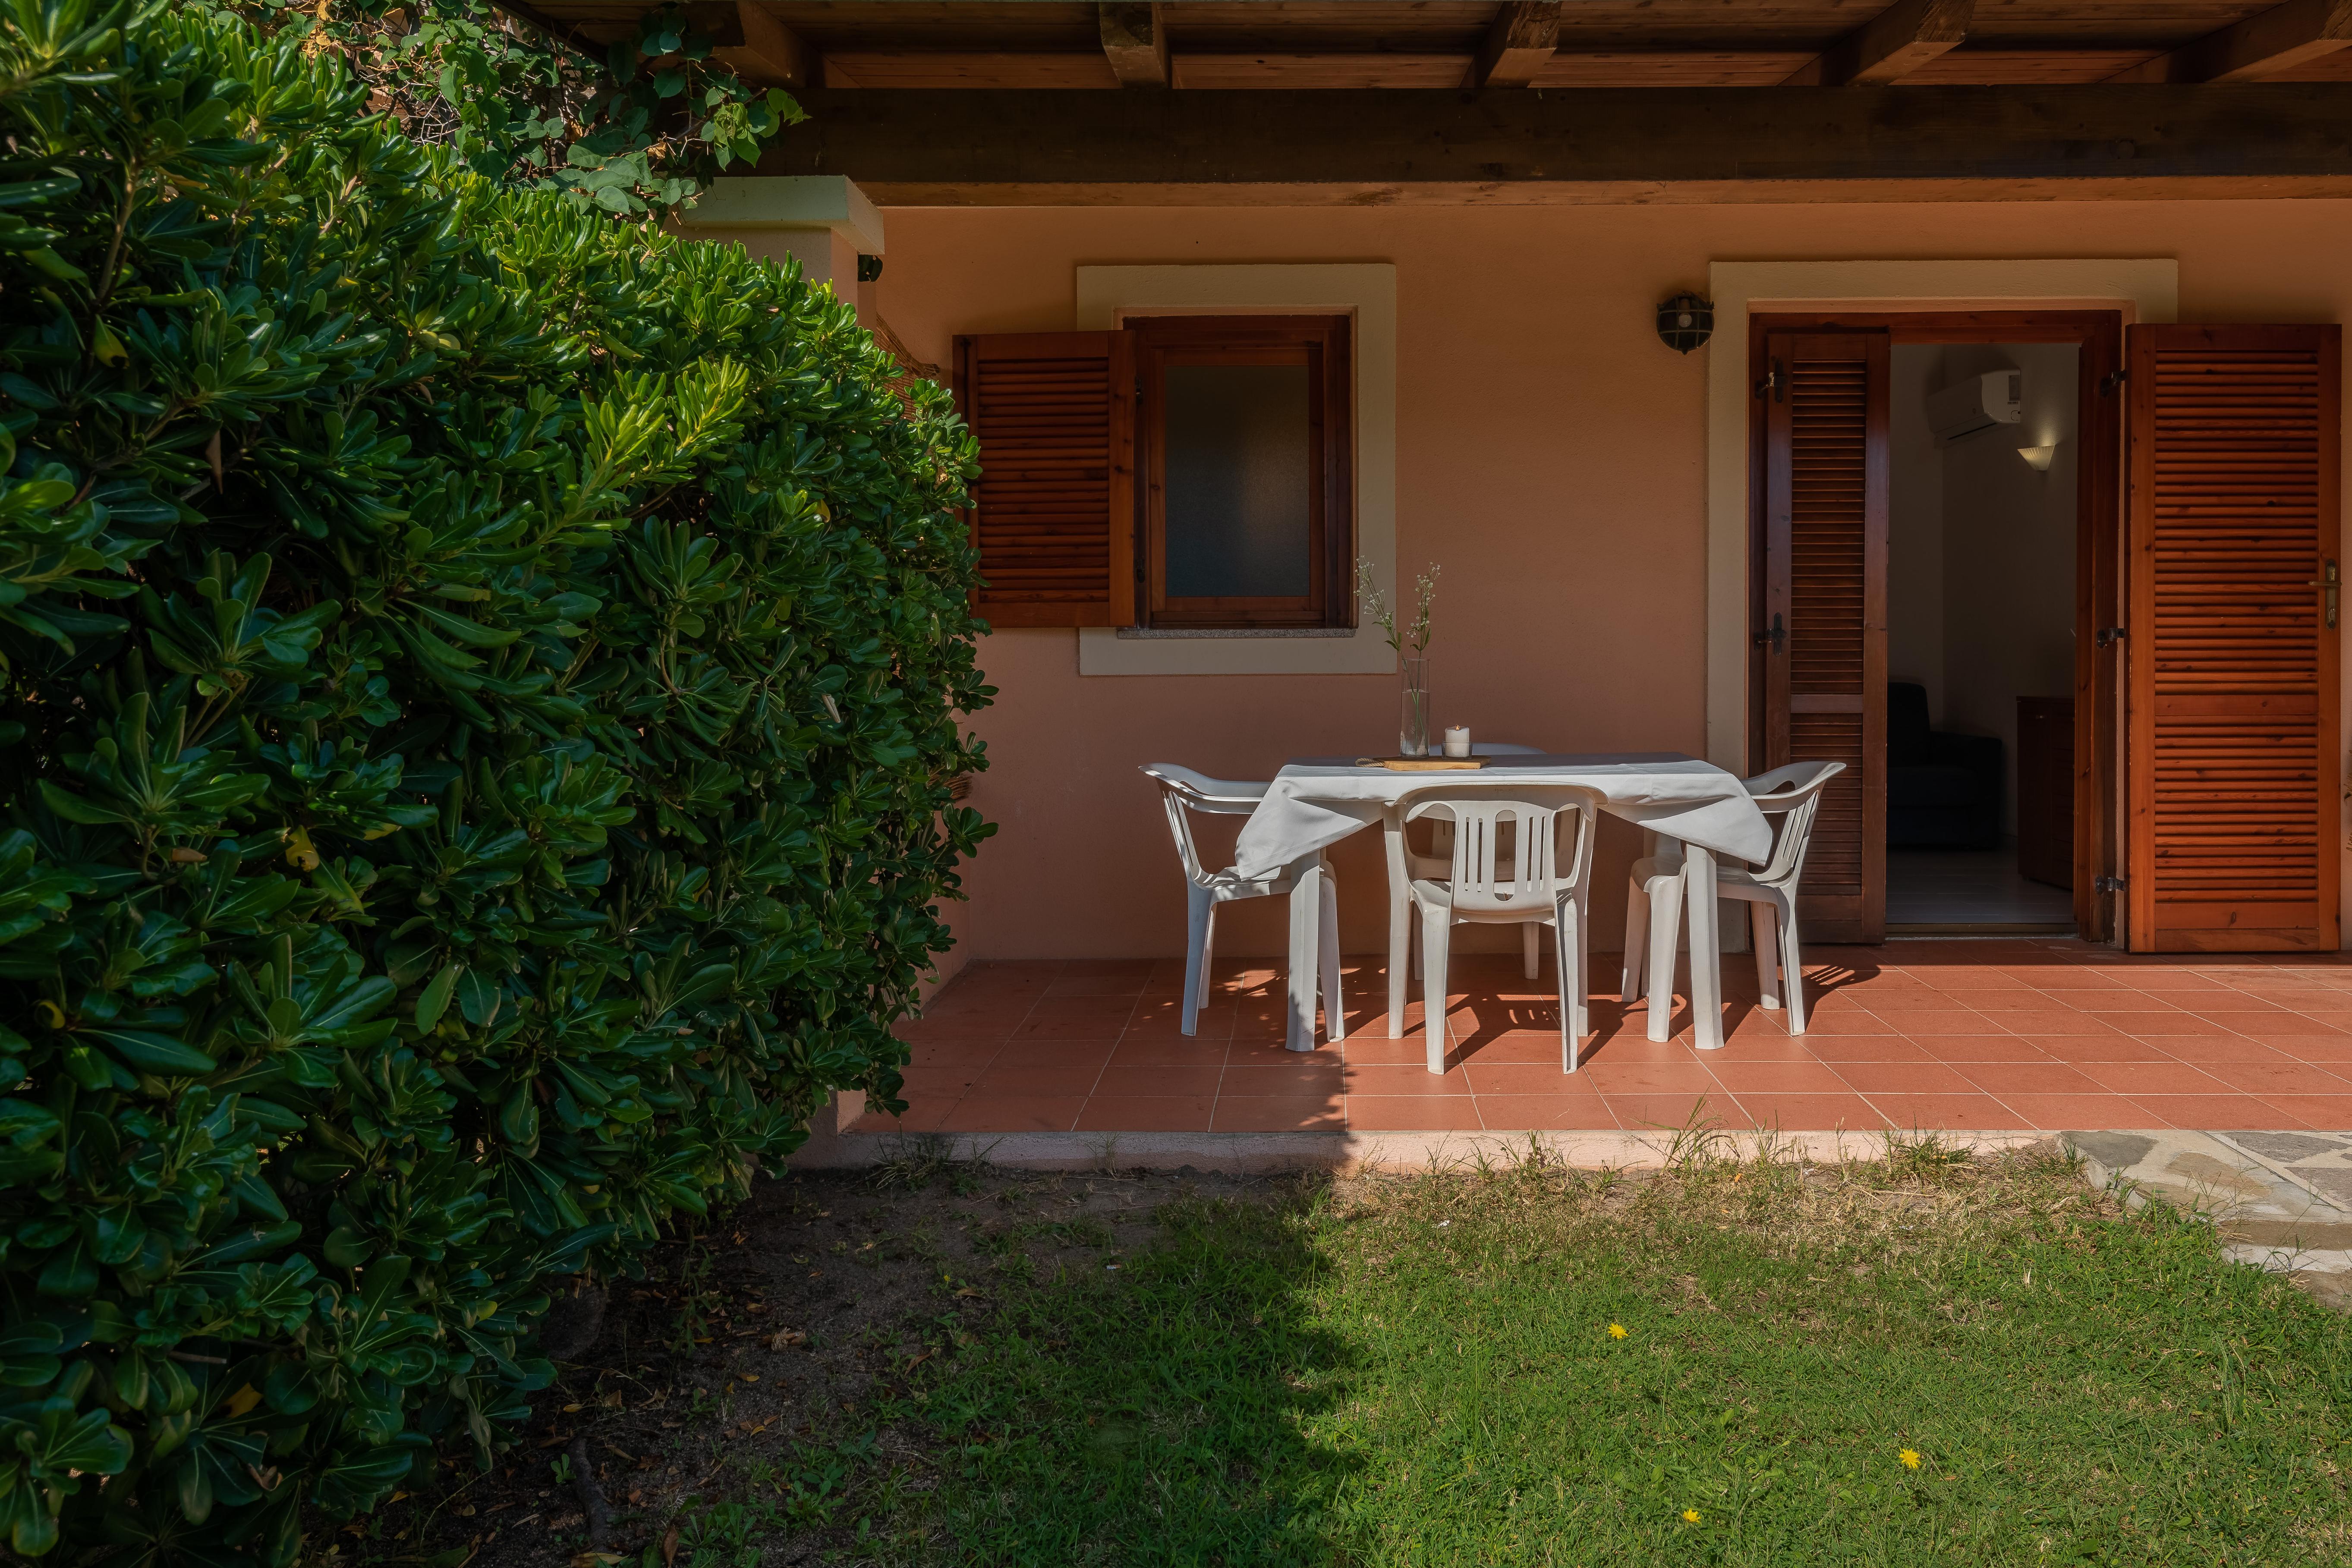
2109, 884
1771, 382
2330, 579
2107, 636
2109, 382
1776, 638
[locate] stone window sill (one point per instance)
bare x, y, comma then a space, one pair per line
1195, 634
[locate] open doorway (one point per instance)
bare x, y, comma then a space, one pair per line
1983, 653
1981, 631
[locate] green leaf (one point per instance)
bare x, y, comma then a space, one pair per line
149, 1052
434, 999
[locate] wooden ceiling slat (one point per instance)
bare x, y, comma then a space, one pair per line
1309, 26
1969, 66
1890, 45
1522, 37
2264, 44
1326, 71
940, 72
1671, 68
1135, 41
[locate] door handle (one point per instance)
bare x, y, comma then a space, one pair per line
1777, 636
2330, 579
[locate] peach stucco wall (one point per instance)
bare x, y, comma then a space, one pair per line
1550, 453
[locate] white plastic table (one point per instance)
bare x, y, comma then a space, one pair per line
1315, 801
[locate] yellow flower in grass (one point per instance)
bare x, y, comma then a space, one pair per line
1616, 1330
1910, 1457
1690, 1516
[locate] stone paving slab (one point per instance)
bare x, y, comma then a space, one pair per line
2271, 1195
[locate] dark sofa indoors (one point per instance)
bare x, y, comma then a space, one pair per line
1943, 791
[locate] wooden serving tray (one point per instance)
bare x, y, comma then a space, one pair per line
1422, 764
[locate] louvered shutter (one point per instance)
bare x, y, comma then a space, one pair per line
1826, 478
2232, 741
1054, 511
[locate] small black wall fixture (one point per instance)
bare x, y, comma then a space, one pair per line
1686, 321
870, 267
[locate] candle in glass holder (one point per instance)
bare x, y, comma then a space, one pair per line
1457, 741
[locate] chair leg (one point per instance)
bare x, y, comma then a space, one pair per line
1665, 932
1570, 958
1399, 957
1200, 911
1792, 966
1436, 936
1530, 951
1637, 941
1579, 948
1335, 1004
1765, 939
1208, 957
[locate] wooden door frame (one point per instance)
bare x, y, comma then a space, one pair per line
2100, 582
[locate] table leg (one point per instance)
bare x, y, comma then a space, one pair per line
1306, 959
1400, 920
1705, 948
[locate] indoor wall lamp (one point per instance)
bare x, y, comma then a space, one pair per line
2038, 458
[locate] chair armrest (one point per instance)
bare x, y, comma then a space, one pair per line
1215, 797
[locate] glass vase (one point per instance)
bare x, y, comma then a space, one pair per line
1412, 728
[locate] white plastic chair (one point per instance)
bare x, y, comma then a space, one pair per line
1654, 900
1536, 879
1182, 790
1405, 864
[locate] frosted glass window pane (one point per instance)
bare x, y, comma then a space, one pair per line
1238, 467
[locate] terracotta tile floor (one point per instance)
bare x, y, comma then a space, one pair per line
1973, 1035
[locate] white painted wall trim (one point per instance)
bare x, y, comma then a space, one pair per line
787, 202
2146, 290
1367, 291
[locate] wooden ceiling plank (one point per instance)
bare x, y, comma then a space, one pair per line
939, 70
1524, 34
1326, 72
1135, 40
2265, 44
1669, 67
771, 55
1890, 45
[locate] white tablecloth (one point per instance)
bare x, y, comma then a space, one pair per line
1316, 801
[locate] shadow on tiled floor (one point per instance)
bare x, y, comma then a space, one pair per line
1976, 1034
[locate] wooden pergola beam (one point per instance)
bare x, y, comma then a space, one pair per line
1523, 37
770, 54
2262, 45
998, 148
1890, 45
1135, 40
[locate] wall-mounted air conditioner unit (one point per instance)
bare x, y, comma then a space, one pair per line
1976, 405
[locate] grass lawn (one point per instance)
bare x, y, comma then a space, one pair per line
1918, 1360
1717, 1363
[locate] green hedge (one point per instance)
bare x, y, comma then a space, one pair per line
481, 693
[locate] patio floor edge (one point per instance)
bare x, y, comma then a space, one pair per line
1253, 1153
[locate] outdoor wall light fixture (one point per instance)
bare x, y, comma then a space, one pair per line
1686, 321
2038, 458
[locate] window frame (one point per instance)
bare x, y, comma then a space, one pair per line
1323, 341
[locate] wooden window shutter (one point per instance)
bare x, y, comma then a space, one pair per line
1054, 511
2232, 729
1823, 634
